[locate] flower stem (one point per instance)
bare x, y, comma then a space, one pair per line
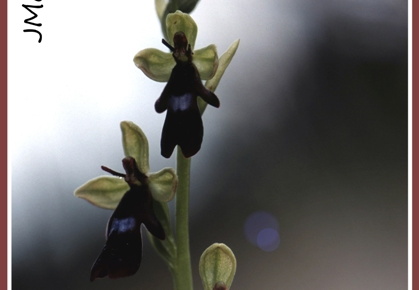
183, 271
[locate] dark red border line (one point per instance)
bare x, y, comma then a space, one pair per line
3, 155
415, 142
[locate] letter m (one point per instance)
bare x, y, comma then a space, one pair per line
28, 21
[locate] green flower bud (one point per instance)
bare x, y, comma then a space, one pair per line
217, 267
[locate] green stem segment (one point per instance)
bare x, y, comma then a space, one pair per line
183, 270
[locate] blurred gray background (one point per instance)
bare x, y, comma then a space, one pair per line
311, 137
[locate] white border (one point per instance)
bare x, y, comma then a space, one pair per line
410, 193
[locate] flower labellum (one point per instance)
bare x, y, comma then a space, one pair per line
121, 255
183, 124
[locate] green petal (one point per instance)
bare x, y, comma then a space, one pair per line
180, 21
135, 144
223, 63
155, 64
103, 191
163, 184
206, 61
217, 265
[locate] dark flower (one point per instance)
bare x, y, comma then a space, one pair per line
183, 124
121, 255
133, 198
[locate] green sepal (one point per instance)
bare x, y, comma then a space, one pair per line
103, 191
135, 144
158, 65
155, 64
165, 7
206, 61
180, 21
163, 184
217, 265
165, 248
223, 63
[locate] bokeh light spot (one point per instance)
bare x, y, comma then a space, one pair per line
262, 230
268, 239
